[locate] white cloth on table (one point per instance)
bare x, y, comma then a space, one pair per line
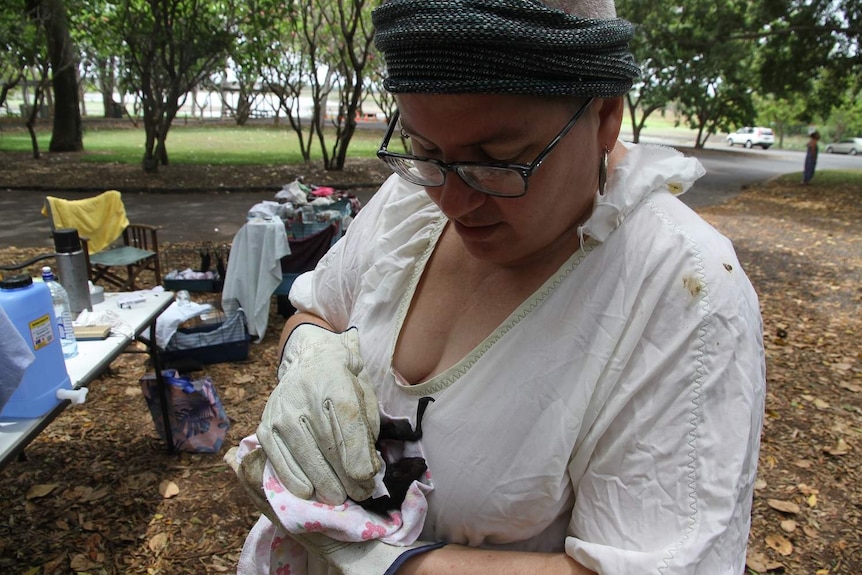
268, 209
615, 415
170, 319
15, 357
254, 269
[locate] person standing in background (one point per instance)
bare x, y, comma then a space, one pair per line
810, 157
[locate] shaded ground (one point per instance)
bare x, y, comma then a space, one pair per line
802, 248
87, 498
67, 172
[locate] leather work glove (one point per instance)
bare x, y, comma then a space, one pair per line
319, 425
373, 557
362, 558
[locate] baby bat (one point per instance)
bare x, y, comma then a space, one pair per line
401, 474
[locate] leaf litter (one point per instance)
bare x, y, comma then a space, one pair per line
801, 247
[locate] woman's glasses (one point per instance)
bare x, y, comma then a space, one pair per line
499, 179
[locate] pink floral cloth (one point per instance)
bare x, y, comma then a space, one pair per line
269, 549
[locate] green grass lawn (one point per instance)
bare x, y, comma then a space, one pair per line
197, 144
217, 142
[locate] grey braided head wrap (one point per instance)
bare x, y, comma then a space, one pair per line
501, 46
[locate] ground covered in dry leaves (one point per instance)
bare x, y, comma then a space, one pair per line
98, 494
802, 248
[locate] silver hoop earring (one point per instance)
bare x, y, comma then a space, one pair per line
603, 171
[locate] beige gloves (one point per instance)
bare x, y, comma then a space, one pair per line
319, 425
372, 557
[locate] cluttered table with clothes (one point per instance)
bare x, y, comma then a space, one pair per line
280, 240
135, 321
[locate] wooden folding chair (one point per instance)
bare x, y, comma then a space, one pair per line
139, 251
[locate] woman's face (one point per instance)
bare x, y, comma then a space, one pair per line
515, 129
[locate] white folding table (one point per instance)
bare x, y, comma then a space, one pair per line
92, 359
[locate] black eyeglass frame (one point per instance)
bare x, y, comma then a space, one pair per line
525, 170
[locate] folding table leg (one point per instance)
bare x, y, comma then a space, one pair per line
153, 351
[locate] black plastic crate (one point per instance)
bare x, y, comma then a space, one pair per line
202, 286
221, 342
196, 257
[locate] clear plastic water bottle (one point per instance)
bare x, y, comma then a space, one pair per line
63, 312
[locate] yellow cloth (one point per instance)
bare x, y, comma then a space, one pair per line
101, 219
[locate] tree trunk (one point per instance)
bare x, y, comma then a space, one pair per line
34, 141
34, 112
105, 72
81, 99
149, 162
67, 135
699, 143
339, 157
162, 152
632, 105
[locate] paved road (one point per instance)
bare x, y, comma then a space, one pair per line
730, 170
217, 216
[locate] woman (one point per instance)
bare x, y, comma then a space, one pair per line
592, 346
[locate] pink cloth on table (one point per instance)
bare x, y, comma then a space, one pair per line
269, 549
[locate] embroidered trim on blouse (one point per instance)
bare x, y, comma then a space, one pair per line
443, 380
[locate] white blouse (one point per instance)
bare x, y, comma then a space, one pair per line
614, 416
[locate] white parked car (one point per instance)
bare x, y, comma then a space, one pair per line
750, 137
850, 146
